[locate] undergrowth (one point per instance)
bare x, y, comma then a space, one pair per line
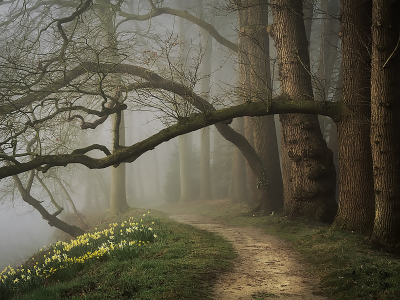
347, 264
141, 257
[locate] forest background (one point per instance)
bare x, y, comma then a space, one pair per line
102, 83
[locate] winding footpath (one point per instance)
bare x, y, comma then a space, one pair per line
266, 267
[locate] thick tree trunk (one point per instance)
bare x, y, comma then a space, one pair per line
356, 199
385, 121
312, 173
286, 176
266, 145
256, 86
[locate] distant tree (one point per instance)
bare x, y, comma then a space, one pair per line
64, 71
206, 43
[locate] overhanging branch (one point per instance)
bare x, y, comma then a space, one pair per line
192, 123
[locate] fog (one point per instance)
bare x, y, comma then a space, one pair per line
154, 178
23, 231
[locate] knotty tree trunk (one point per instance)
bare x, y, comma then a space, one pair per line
312, 173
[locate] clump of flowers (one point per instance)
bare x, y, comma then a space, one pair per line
122, 241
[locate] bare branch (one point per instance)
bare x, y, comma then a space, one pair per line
194, 122
182, 14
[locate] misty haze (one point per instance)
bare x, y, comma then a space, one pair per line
212, 149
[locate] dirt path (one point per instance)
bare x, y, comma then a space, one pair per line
265, 268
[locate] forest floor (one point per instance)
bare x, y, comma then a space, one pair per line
266, 266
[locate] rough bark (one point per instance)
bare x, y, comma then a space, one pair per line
312, 173
256, 86
385, 121
356, 199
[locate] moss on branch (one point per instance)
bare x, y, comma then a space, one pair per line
193, 122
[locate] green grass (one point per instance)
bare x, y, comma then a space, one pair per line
180, 263
348, 265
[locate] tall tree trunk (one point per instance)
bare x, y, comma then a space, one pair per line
238, 189
356, 199
205, 170
157, 181
385, 121
205, 160
251, 178
118, 201
312, 173
328, 53
185, 141
308, 11
256, 86
220, 191
185, 144
333, 145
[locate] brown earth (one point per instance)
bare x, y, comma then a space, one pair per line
266, 267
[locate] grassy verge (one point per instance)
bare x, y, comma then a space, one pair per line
348, 266
180, 262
